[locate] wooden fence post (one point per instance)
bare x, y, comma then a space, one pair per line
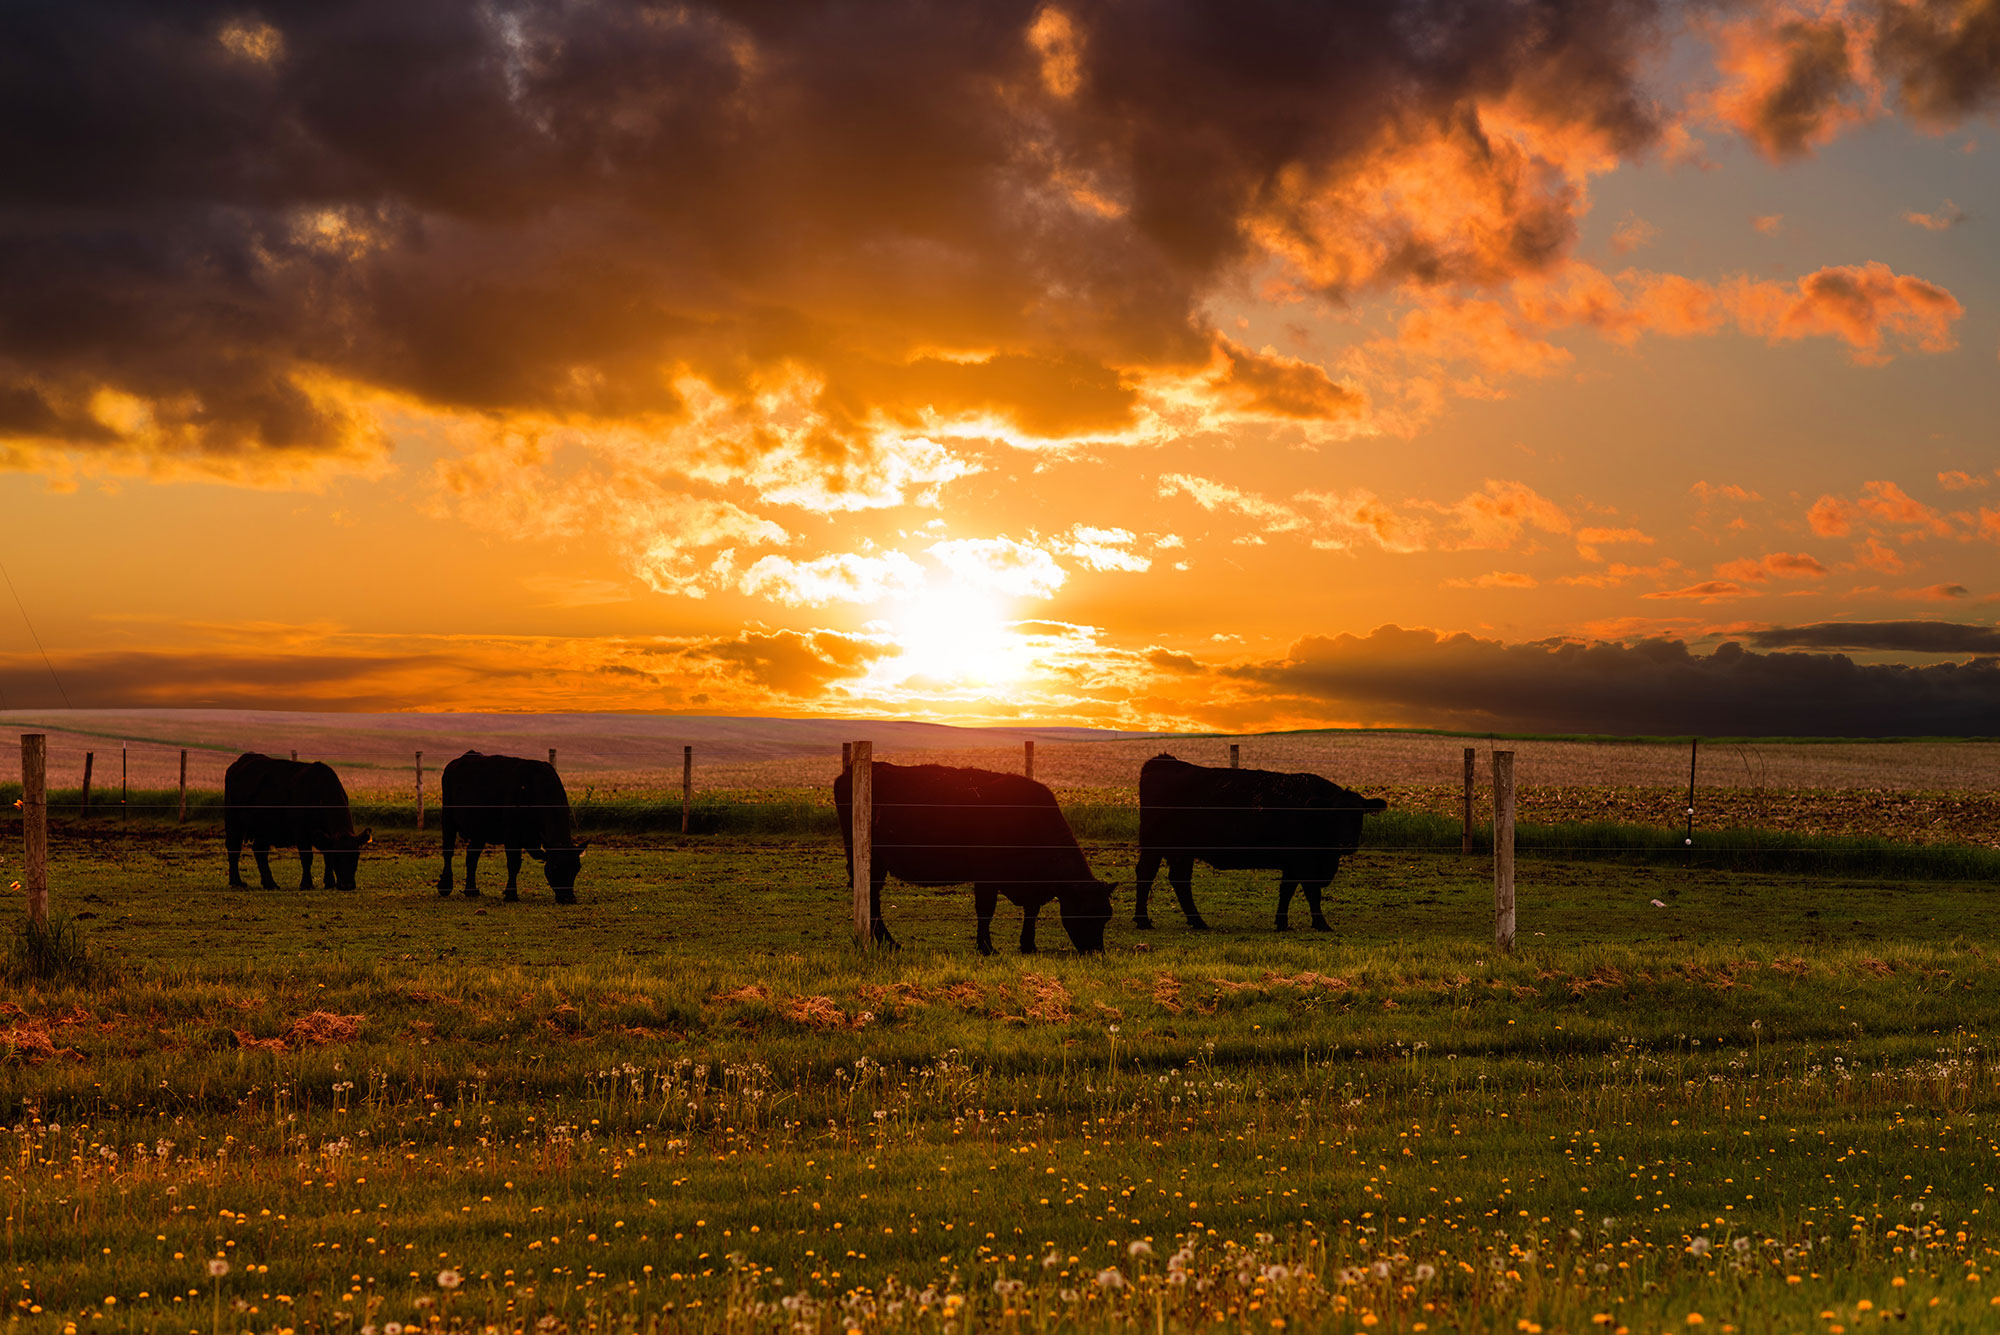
1235, 755
1694, 749
124, 779
1465, 803
295, 755
687, 785
552, 757
89, 759
420, 790
861, 822
1503, 850
1029, 747
181, 818
35, 824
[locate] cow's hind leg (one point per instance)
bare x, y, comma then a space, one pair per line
326, 869
232, 836
472, 852
262, 852
450, 846
1180, 875
1313, 889
513, 873
1149, 867
1286, 885
1028, 912
985, 899
306, 867
878, 928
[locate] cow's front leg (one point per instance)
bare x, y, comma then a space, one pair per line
236, 865
1028, 912
984, 900
305, 867
1149, 867
1313, 889
880, 929
1180, 875
1285, 887
326, 872
472, 852
262, 852
513, 873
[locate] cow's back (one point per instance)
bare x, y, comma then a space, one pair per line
284, 800
942, 825
1236, 819
507, 799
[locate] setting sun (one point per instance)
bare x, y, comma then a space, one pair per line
954, 637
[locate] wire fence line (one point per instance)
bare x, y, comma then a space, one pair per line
646, 818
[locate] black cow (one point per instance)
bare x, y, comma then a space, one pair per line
517, 804
1299, 824
293, 804
936, 825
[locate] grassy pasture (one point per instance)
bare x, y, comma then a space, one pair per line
1764, 1101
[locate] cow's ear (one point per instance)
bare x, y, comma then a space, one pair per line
368, 835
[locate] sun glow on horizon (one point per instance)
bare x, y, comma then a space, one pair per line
955, 636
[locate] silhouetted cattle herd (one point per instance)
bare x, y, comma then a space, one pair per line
933, 825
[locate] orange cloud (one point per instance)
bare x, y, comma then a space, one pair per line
1874, 554
1959, 480
1495, 579
1495, 516
1776, 565
1831, 517
1935, 593
1267, 384
1588, 540
1708, 591
1946, 218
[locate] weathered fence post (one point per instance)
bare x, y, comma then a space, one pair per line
181, 817
1235, 755
1029, 748
35, 824
552, 757
420, 790
687, 785
295, 754
861, 823
1465, 803
1503, 850
124, 779
89, 759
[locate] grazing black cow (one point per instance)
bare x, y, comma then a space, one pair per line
517, 804
936, 825
1299, 824
292, 804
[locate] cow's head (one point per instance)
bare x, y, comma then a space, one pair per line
561, 865
1086, 908
343, 856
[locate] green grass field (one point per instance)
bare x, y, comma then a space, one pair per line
1761, 1103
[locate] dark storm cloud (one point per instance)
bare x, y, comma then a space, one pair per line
1907, 637
1654, 687
232, 217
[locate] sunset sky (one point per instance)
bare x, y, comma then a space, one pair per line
1577, 366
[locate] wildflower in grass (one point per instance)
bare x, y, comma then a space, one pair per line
449, 1279
1139, 1249
1699, 1247
218, 1267
1426, 1272
1742, 1246
1110, 1280
1007, 1288
1052, 1260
